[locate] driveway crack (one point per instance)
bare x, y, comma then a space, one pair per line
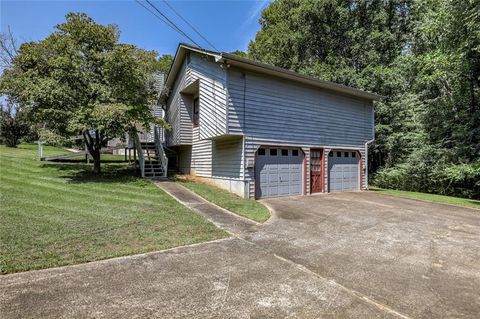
351, 292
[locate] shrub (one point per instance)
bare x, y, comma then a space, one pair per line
13, 125
462, 180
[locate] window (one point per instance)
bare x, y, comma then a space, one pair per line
345, 154
354, 154
284, 152
196, 112
339, 154
261, 152
273, 152
294, 152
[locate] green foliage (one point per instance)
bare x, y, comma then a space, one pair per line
14, 124
423, 56
461, 180
80, 80
239, 53
49, 137
163, 63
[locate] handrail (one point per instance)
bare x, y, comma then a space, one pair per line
141, 158
160, 150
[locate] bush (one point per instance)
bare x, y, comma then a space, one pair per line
461, 180
13, 125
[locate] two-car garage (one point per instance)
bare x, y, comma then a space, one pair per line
280, 171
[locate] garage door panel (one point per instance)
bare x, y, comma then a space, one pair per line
279, 175
343, 171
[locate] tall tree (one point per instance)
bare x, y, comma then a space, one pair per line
352, 42
447, 75
81, 80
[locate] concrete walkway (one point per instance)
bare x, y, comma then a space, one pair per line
223, 218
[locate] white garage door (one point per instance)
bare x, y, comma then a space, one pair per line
278, 172
343, 168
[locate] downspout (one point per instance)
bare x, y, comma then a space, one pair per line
366, 159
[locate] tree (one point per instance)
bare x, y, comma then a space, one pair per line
447, 75
164, 63
14, 124
239, 53
8, 48
353, 42
81, 80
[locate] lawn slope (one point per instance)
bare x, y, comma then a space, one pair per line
457, 201
54, 214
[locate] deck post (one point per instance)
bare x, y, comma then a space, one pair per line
40, 150
86, 154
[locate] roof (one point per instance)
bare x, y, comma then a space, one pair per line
264, 68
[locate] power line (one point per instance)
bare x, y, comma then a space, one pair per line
156, 15
166, 20
189, 24
173, 23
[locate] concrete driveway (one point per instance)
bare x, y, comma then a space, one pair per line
359, 255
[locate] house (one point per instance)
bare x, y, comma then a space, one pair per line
261, 131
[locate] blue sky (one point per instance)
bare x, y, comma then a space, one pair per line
229, 25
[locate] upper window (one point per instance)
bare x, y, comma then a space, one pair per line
294, 152
284, 152
261, 152
273, 152
345, 154
339, 154
196, 112
354, 154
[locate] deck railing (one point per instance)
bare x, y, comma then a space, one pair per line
160, 151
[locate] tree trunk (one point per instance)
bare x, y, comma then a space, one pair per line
93, 146
96, 162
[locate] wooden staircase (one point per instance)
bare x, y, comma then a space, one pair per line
153, 161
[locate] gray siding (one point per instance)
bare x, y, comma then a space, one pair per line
265, 107
213, 95
177, 112
201, 155
227, 158
213, 112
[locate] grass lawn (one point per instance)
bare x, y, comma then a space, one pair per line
430, 197
234, 203
54, 214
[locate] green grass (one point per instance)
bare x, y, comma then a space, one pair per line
56, 214
105, 157
430, 197
236, 204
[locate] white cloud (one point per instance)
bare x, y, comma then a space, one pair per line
252, 16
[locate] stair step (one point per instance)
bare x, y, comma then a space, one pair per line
155, 175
